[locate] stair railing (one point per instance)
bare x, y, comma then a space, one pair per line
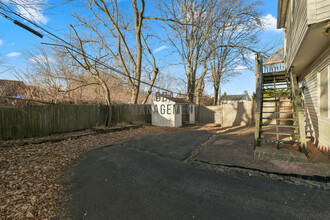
296, 99
259, 71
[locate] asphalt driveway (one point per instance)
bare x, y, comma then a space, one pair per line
147, 179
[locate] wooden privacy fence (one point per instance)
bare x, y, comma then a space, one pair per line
231, 114
31, 121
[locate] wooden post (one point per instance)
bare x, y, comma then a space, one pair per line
258, 99
296, 98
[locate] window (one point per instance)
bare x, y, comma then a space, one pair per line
324, 92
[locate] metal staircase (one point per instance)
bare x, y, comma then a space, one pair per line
279, 116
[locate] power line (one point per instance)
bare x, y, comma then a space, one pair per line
78, 50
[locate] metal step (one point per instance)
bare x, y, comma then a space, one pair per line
275, 74
278, 141
281, 98
279, 83
272, 82
277, 78
264, 92
275, 101
279, 133
281, 126
277, 112
276, 106
283, 86
276, 89
283, 119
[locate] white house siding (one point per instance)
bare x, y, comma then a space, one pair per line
318, 11
296, 30
319, 127
311, 104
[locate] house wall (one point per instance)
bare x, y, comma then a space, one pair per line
316, 125
318, 11
296, 27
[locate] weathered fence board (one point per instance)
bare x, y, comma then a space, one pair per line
231, 114
32, 121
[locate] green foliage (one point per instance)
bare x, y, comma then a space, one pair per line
269, 93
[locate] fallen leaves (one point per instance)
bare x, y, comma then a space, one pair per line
31, 176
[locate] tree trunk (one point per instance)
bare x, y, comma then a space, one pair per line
191, 86
200, 91
108, 100
150, 87
216, 95
134, 94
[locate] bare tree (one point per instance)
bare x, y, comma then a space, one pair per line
121, 35
188, 21
236, 36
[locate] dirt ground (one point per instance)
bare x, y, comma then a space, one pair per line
31, 176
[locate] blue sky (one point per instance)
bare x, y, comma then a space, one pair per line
15, 42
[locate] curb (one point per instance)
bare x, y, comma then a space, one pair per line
54, 140
306, 181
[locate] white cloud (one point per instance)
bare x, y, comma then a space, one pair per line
250, 56
1, 42
160, 49
14, 54
31, 10
270, 22
239, 68
41, 59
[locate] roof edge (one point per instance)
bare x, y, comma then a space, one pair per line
282, 6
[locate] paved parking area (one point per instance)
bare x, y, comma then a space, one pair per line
147, 179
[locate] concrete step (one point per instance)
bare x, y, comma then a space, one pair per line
271, 153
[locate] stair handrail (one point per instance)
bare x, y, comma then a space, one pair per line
258, 110
297, 106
